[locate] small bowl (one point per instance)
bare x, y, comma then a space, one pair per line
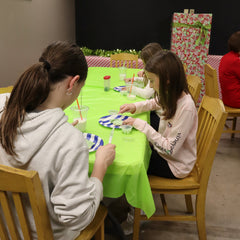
131, 97
124, 92
113, 112
126, 129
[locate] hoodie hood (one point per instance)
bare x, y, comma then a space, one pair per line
34, 132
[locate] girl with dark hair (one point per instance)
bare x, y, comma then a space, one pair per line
147, 52
35, 135
229, 72
174, 144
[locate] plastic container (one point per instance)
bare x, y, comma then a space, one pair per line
126, 129
107, 80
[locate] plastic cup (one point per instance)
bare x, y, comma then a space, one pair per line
126, 129
131, 96
81, 116
123, 73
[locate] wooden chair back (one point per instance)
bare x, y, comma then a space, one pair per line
123, 59
6, 89
211, 82
212, 90
194, 86
211, 120
14, 183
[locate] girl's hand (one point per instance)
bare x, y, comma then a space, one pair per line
106, 154
140, 73
129, 121
127, 80
127, 108
75, 123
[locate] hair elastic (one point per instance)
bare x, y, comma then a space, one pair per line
46, 65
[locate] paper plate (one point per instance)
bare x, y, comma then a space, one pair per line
106, 121
119, 89
96, 140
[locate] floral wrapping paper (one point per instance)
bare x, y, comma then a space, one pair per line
190, 41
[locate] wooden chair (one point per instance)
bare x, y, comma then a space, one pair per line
6, 89
194, 85
211, 119
212, 90
15, 182
124, 59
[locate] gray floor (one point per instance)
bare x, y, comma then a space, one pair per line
222, 203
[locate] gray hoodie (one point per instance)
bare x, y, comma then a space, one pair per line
47, 143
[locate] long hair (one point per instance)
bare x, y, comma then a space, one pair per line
172, 80
58, 60
147, 52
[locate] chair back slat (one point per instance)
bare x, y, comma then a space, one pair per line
8, 215
22, 216
194, 86
123, 59
15, 186
211, 82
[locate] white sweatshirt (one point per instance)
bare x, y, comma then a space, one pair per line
50, 145
175, 140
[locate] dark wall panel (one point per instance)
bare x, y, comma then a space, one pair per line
131, 24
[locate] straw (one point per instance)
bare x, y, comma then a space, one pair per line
131, 84
79, 110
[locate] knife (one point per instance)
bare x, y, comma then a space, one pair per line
111, 135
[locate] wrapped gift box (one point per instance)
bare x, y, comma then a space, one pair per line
190, 41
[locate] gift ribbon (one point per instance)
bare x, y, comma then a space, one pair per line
203, 32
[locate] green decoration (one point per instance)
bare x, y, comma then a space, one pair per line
203, 33
107, 53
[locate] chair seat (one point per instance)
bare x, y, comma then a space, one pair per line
232, 111
173, 184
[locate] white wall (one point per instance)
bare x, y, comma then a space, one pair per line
26, 28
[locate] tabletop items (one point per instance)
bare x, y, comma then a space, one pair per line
132, 149
80, 114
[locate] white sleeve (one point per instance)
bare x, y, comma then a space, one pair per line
146, 92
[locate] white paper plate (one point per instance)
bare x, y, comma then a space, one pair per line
106, 121
119, 89
96, 140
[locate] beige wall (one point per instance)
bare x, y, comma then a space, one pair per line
26, 28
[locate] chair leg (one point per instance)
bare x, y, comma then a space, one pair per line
99, 235
234, 126
188, 200
164, 204
200, 215
136, 225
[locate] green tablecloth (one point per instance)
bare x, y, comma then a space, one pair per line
127, 175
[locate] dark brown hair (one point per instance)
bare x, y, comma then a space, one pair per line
172, 80
58, 60
149, 50
234, 42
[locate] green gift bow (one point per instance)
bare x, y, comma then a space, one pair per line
203, 32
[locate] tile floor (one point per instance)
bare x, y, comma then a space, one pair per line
222, 203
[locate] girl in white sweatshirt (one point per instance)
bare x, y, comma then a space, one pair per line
174, 144
35, 135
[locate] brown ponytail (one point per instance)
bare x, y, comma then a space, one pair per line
30, 91
58, 60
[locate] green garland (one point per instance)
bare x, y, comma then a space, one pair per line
107, 53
